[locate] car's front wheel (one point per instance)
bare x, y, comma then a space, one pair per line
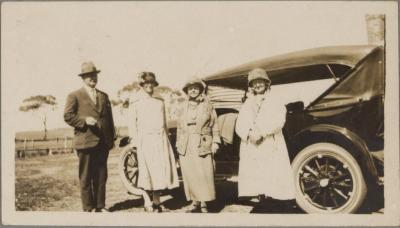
328, 179
129, 171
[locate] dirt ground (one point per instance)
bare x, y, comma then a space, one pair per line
50, 183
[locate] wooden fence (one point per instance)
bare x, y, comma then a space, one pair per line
34, 147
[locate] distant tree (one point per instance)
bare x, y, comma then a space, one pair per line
132, 87
40, 105
170, 96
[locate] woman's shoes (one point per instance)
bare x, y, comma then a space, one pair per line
159, 208
198, 208
155, 208
193, 208
149, 209
204, 209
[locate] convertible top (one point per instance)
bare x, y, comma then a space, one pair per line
336, 55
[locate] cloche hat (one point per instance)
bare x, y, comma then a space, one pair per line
258, 73
194, 81
147, 77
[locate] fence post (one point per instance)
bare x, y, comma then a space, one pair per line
65, 143
24, 144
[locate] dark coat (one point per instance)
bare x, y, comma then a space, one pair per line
78, 107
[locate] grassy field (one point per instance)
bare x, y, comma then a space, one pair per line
50, 183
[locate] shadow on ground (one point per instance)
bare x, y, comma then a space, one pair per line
227, 193
178, 200
127, 204
227, 196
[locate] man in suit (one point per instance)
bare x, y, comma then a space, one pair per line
88, 110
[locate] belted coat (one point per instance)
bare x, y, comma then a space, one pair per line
197, 130
206, 128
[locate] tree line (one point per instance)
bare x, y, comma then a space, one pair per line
42, 105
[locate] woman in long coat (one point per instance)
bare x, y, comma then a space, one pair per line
264, 166
147, 128
197, 140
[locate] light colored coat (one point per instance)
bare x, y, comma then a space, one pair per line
264, 168
147, 128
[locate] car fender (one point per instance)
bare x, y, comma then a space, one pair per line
342, 136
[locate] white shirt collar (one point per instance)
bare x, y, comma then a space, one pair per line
89, 89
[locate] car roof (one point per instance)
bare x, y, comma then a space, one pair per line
343, 55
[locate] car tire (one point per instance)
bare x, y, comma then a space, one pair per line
128, 171
328, 179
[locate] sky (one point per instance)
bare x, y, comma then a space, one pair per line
44, 43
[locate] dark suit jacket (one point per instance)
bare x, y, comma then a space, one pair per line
78, 107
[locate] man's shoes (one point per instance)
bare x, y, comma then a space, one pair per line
89, 210
104, 210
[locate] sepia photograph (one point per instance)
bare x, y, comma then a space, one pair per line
211, 113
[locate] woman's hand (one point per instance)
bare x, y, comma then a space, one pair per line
255, 137
214, 148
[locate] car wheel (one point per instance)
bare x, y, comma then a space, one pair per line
328, 179
128, 171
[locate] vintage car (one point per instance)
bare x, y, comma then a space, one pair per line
334, 137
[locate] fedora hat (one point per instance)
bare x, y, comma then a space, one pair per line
194, 81
258, 73
88, 68
147, 77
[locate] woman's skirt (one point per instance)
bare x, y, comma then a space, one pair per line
197, 173
156, 163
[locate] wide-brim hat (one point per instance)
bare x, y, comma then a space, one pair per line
258, 73
147, 77
88, 68
194, 81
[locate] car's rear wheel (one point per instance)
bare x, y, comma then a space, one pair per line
128, 171
328, 179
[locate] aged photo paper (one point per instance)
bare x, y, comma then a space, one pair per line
211, 113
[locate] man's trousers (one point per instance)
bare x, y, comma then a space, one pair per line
93, 176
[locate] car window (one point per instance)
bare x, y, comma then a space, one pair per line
339, 70
300, 91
